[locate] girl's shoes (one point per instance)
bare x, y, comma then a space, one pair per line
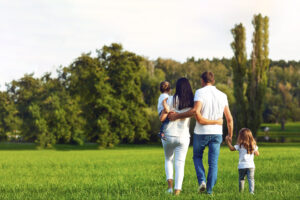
161, 136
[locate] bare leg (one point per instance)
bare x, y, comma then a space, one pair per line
170, 183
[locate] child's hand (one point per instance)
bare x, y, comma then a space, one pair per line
220, 121
228, 142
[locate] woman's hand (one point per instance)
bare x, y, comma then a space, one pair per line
220, 121
172, 116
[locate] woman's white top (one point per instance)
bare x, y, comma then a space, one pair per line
245, 160
179, 127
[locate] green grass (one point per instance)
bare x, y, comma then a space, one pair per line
290, 134
137, 172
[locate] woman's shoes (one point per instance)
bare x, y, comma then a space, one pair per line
177, 192
170, 191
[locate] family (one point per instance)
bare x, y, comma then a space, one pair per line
207, 106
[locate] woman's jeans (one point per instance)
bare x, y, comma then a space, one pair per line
213, 142
250, 175
175, 149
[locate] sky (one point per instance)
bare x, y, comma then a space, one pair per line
39, 36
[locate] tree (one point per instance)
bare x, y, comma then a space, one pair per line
49, 115
9, 121
257, 77
285, 103
150, 79
123, 69
239, 67
25, 93
88, 82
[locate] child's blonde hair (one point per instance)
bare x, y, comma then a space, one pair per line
164, 86
246, 139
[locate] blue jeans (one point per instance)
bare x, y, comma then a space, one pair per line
164, 124
199, 143
250, 175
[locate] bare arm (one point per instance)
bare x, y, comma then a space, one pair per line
229, 120
166, 106
202, 120
229, 144
163, 116
195, 111
173, 115
256, 153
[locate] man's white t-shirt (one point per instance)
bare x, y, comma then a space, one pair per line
160, 106
245, 160
213, 104
179, 127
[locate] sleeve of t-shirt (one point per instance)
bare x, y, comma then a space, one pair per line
226, 101
237, 147
198, 96
164, 96
170, 102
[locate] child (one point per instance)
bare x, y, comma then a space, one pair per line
162, 105
247, 148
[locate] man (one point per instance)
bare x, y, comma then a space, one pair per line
209, 103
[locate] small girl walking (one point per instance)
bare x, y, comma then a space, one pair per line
247, 148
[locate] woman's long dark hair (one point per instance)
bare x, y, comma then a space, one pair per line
184, 93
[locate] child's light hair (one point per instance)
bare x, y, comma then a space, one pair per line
246, 139
164, 86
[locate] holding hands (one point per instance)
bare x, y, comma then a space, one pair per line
228, 139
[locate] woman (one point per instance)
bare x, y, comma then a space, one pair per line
177, 135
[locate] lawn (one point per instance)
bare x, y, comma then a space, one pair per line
137, 172
290, 134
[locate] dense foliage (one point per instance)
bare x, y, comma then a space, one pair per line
251, 103
111, 98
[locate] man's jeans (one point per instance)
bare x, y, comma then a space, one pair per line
250, 176
199, 143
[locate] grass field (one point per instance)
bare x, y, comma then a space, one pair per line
137, 172
290, 134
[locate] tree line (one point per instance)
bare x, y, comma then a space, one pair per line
111, 98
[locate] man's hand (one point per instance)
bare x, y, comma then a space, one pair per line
228, 139
220, 121
172, 116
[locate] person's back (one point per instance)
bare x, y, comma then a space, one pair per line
213, 104
180, 127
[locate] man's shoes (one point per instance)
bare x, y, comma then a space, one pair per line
202, 187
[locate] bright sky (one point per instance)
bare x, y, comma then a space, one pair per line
38, 35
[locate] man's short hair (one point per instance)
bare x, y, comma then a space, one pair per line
165, 86
208, 77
